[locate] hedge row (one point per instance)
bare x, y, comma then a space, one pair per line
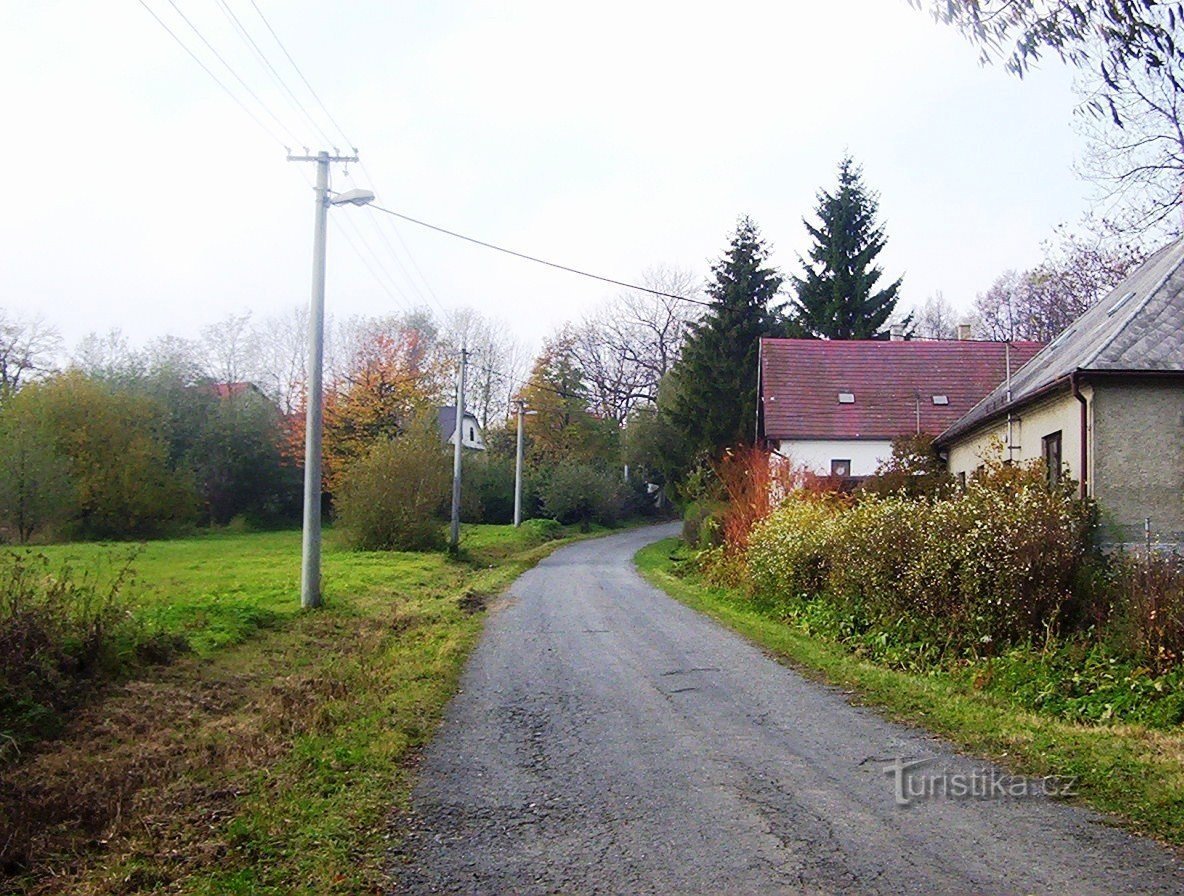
994, 564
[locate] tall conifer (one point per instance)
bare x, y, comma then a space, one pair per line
713, 399
838, 299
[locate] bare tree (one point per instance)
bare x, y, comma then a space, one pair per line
936, 318
109, 356
175, 359
280, 353
1078, 269
28, 347
227, 345
1136, 155
626, 347
498, 366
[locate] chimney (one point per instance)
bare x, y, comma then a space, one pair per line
963, 332
896, 333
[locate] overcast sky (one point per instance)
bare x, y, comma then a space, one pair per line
613, 137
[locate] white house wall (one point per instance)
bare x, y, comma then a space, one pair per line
817, 454
1029, 427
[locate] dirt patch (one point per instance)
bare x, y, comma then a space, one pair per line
149, 775
473, 602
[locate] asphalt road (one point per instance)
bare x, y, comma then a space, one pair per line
609, 740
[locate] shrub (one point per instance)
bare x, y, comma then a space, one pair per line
1150, 593
388, 500
790, 553
488, 495
913, 469
701, 527
754, 480
990, 566
580, 493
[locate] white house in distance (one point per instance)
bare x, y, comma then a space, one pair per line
834, 406
470, 430
1103, 403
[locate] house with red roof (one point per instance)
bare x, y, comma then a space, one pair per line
835, 406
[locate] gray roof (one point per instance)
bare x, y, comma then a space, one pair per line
446, 420
1137, 327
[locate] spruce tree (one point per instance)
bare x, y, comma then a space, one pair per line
838, 299
713, 390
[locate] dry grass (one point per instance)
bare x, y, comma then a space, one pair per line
147, 775
272, 764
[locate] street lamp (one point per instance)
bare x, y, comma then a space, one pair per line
310, 565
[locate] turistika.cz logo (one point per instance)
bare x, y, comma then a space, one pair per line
911, 786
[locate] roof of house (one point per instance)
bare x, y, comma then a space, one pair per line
872, 389
1137, 327
229, 390
446, 419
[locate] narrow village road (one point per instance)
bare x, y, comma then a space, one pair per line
609, 740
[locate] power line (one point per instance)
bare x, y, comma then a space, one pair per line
402, 300
536, 260
284, 50
406, 249
252, 45
255, 118
230, 69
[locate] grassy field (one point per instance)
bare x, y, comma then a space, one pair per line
270, 758
1131, 771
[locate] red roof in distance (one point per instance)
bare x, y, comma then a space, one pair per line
231, 390
891, 381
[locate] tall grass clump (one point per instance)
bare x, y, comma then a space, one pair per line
62, 633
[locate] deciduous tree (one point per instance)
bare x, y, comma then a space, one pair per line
27, 349
394, 374
627, 346
563, 426
1108, 37
35, 487
1078, 269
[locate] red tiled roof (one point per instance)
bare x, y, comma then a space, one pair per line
801, 380
227, 390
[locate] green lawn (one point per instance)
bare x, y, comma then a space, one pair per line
1132, 771
220, 588
270, 759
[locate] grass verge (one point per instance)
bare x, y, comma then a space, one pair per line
269, 759
1130, 771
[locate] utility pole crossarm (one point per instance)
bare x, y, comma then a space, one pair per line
325, 156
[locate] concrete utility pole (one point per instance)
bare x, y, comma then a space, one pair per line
518, 466
457, 453
310, 565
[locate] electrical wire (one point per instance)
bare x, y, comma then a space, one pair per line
406, 250
252, 45
284, 50
230, 93
230, 69
536, 260
398, 299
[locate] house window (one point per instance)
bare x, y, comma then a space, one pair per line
840, 468
846, 398
1052, 457
962, 479
470, 433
